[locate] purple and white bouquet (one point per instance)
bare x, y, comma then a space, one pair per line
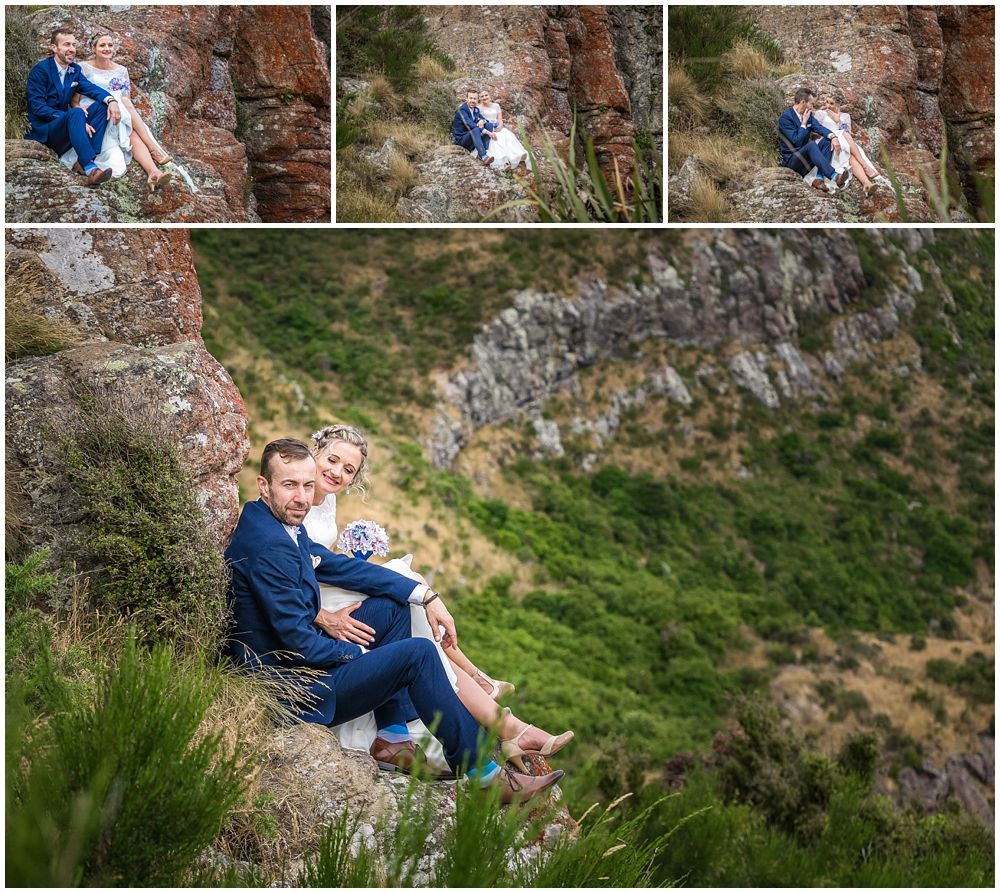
364, 539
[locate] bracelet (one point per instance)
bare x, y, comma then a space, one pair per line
427, 601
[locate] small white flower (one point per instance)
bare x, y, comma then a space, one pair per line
316, 560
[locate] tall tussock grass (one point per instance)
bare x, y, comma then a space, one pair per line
27, 331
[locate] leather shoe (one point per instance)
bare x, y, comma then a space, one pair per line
487, 161
819, 184
516, 787
400, 756
96, 177
841, 177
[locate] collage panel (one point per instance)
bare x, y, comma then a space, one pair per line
499, 114
849, 114
369, 522
167, 114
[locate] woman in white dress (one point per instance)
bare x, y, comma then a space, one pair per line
506, 149
131, 137
846, 151
341, 453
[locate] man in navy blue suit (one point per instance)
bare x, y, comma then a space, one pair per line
51, 85
796, 127
274, 595
470, 130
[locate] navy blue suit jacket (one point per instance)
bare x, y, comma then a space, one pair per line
274, 593
49, 100
465, 120
794, 135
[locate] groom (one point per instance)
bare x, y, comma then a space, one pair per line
51, 85
275, 599
470, 130
796, 127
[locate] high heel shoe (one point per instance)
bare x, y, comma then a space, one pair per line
159, 182
165, 158
513, 751
497, 687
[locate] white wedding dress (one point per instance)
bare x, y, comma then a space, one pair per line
506, 148
116, 150
359, 734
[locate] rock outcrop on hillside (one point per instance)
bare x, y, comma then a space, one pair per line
541, 63
747, 288
132, 302
901, 72
239, 95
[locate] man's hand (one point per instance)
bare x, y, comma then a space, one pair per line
90, 130
341, 625
438, 616
114, 112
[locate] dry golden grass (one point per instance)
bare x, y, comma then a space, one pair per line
402, 174
428, 69
743, 60
708, 203
686, 103
410, 140
29, 333
383, 94
358, 204
720, 158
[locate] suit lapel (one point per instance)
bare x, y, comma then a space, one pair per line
308, 574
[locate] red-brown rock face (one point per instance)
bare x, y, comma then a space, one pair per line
902, 71
239, 95
545, 61
133, 299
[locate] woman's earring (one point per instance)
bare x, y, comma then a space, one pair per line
347, 492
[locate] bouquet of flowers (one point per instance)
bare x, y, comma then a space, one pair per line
364, 539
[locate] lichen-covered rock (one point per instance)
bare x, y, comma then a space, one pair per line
454, 186
132, 299
238, 95
544, 61
317, 781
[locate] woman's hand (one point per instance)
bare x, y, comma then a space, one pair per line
437, 616
341, 625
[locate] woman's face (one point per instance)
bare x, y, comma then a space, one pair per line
484, 97
338, 465
105, 47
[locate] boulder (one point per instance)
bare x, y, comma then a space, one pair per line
315, 780
238, 95
132, 300
455, 187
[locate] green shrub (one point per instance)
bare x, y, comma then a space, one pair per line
974, 678
751, 108
21, 52
123, 792
143, 540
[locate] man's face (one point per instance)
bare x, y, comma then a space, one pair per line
472, 99
289, 495
64, 49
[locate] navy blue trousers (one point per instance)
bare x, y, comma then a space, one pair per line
400, 678
71, 130
816, 154
475, 139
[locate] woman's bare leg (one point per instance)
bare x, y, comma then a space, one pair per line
461, 662
141, 154
856, 153
486, 712
154, 149
859, 172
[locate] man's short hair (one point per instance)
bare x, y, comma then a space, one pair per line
288, 448
469, 90
802, 94
54, 37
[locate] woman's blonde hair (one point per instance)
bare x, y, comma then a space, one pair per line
348, 434
96, 36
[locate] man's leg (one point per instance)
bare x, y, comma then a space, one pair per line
391, 622
821, 155
474, 139
366, 682
71, 130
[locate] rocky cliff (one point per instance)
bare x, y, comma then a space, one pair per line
542, 64
239, 95
131, 304
748, 289
915, 80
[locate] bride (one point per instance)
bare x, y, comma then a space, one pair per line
341, 453
506, 149
847, 152
132, 137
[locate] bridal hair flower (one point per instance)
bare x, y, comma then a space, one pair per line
364, 539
